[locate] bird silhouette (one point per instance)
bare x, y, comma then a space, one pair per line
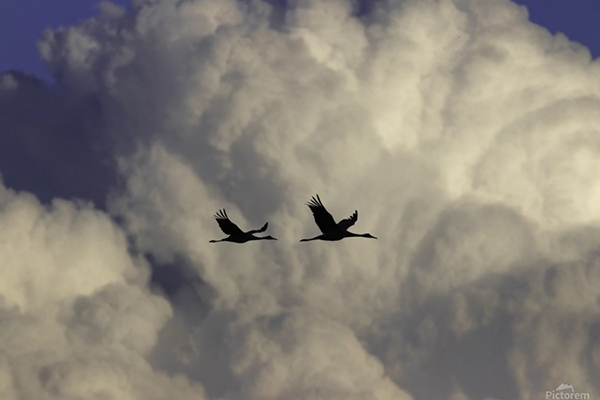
236, 235
326, 223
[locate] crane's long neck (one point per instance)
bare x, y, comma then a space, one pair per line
314, 238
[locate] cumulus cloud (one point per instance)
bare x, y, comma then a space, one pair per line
465, 136
78, 318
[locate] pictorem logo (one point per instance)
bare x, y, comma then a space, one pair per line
566, 392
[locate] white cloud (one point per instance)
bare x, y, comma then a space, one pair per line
58, 252
463, 134
78, 319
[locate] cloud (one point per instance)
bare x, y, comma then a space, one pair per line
78, 318
463, 134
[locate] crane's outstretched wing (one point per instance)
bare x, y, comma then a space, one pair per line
264, 228
226, 225
323, 219
348, 222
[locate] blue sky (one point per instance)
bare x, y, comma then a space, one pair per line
23, 21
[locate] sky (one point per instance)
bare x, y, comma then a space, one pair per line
22, 23
466, 136
27, 19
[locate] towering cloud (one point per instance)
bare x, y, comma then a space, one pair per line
78, 319
466, 137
